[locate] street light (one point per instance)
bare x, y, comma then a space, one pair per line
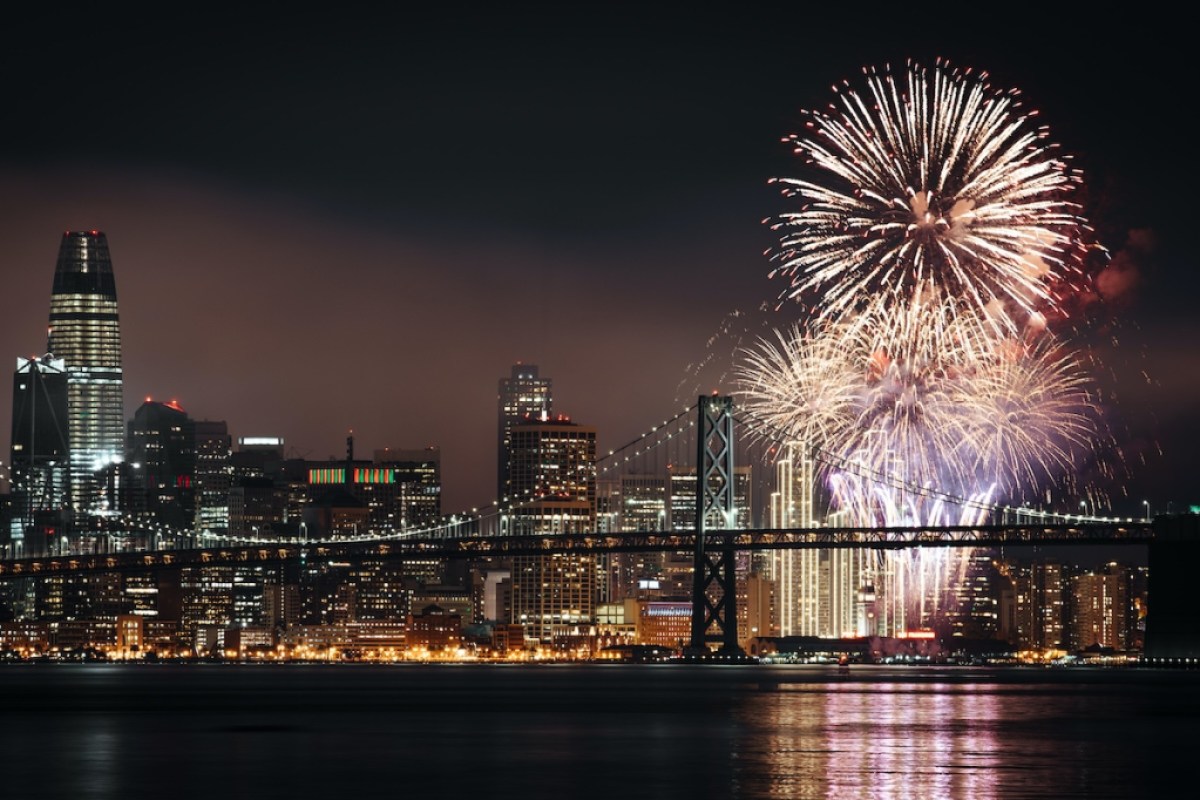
1146, 505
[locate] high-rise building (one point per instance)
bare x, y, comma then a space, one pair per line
1038, 615
1103, 609
258, 492
213, 475
522, 396
40, 455
85, 333
796, 573
162, 459
417, 476
554, 464
401, 489
639, 503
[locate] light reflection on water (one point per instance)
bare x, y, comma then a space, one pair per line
592, 731
850, 741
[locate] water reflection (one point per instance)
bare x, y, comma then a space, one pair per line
600, 732
94, 745
884, 738
863, 741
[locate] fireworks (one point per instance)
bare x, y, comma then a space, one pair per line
926, 422
933, 241
929, 185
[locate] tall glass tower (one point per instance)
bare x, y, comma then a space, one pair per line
86, 335
40, 456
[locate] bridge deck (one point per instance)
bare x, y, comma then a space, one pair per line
399, 548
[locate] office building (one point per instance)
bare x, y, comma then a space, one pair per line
417, 478
40, 456
162, 460
214, 472
796, 573
522, 396
1037, 619
258, 493
85, 333
554, 464
1103, 609
638, 502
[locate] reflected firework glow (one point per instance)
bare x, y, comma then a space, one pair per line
925, 741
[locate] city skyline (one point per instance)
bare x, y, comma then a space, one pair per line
367, 237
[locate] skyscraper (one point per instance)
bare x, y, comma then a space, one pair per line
522, 396
40, 454
555, 463
213, 475
86, 335
797, 573
162, 455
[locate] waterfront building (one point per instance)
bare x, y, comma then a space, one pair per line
141, 590
974, 609
1103, 609
131, 633
666, 623
85, 333
760, 604
796, 573
553, 465
1039, 609
456, 600
434, 629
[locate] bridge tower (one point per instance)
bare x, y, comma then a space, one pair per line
714, 619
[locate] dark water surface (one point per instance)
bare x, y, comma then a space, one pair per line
612, 731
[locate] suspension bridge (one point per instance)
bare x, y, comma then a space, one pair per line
718, 529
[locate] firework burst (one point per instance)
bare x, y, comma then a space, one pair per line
929, 184
951, 413
933, 248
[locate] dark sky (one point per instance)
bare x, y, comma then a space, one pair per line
323, 221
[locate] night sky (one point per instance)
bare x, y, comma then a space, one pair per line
325, 221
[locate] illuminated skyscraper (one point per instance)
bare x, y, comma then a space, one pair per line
522, 396
1103, 613
213, 475
40, 455
554, 462
86, 335
796, 573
